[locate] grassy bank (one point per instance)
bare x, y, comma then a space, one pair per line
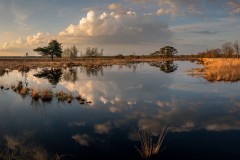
23, 63
220, 69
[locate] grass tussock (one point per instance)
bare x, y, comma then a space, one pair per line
219, 69
46, 95
24, 91
148, 147
35, 94
61, 96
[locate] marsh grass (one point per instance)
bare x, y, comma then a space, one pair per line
220, 69
9, 154
23, 68
148, 147
24, 91
35, 94
61, 96
46, 95
29, 154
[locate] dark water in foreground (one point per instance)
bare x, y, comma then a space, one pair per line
203, 118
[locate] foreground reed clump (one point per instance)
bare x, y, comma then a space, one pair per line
221, 69
46, 95
35, 94
64, 96
148, 147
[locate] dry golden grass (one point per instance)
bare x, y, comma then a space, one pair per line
25, 64
24, 91
220, 69
148, 147
35, 94
46, 95
64, 97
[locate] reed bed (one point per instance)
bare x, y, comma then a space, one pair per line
219, 69
64, 96
24, 91
148, 147
35, 94
46, 95
25, 64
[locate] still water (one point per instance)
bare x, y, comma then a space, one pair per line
203, 118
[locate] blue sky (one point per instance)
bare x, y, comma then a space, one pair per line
119, 27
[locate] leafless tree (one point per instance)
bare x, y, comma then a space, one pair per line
227, 49
236, 48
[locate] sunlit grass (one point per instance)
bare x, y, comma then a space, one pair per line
46, 95
35, 94
64, 96
24, 91
148, 147
221, 69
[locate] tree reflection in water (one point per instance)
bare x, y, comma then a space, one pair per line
70, 74
53, 75
165, 66
92, 70
3, 71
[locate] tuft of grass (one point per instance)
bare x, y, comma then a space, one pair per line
46, 95
80, 99
9, 154
24, 91
61, 96
64, 97
69, 97
221, 69
148, 147
35, 94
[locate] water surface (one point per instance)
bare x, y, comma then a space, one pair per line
203, 118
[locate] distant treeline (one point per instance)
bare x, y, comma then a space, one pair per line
227, 50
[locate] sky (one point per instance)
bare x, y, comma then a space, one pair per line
119, 27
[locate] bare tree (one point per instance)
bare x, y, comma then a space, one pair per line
93, 52
74, 52
236, 48
227, 49
70, 52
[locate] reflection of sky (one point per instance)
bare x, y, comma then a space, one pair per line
123, 101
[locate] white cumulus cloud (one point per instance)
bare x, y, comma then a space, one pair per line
235, 7
113, 28
178, 7
38, 39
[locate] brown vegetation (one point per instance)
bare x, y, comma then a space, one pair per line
219, 69
35, 94
46, 95
64, 96
148, 147
24, 64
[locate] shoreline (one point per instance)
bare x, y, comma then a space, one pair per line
13, 63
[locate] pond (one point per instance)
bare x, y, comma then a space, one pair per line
203, 118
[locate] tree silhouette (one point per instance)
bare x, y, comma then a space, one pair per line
165, 66
166, 52
236, 48
227, 49
52, 75
53, 48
